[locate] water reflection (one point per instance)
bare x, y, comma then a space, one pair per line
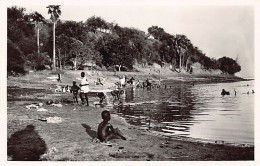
193, 111
129, 95
162, 109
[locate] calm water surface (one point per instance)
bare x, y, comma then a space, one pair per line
198, 111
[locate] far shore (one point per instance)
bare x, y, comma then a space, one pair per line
110, 78
72, 139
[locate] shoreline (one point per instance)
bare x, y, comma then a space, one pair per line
143, 143
207, 141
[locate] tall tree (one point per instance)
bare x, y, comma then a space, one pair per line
229, 65
54, 11
37, 19
15, 60
156, 32
118, 52
181, 43
96, 24
78, 52
20, 37
62, 45
71, 29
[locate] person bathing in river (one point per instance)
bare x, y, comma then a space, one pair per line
224, 92
138, 85
131, 81
122, 81
106, 131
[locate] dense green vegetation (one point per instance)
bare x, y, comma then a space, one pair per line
38, 43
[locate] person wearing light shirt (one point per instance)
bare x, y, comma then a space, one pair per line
84, 89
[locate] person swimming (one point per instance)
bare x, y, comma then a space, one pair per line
224, 92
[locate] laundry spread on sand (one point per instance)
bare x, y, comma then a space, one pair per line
32, 106
42, 110
54, 119
56, 105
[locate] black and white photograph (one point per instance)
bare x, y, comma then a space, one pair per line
129, 81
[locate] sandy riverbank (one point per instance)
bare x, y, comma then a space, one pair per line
72, 139
47, 79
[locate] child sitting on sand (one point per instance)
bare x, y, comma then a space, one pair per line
74, 89
106, 131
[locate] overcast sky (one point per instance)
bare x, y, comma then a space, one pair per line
216, 30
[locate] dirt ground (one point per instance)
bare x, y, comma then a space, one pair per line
30, 137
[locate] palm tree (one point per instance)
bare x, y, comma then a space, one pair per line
55, 12
37, 18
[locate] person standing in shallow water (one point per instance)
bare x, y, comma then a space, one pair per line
84, 89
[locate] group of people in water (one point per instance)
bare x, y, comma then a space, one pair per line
138, 84
224, 92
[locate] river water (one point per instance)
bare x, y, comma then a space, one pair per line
196, 112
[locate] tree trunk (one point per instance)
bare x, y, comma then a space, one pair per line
54, 60
180, 64
59, 59
75, 64
119, 68
183, 60
159, 78
187, 63
181, 53
64, 59
38, 40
